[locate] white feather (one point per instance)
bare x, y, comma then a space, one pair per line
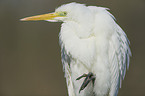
91, 41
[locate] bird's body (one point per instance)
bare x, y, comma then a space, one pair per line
91, 41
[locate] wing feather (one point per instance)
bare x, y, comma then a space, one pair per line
66, 67
120, 52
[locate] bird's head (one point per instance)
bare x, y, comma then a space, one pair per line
67, 12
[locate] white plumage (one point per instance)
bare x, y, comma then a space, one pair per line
91, 41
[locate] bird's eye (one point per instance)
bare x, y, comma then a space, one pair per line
63, 13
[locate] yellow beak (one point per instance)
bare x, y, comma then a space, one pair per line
48, 16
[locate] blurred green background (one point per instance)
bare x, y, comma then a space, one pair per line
30, 60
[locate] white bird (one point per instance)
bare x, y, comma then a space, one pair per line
95, 50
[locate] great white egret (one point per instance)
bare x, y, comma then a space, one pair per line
95, 50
